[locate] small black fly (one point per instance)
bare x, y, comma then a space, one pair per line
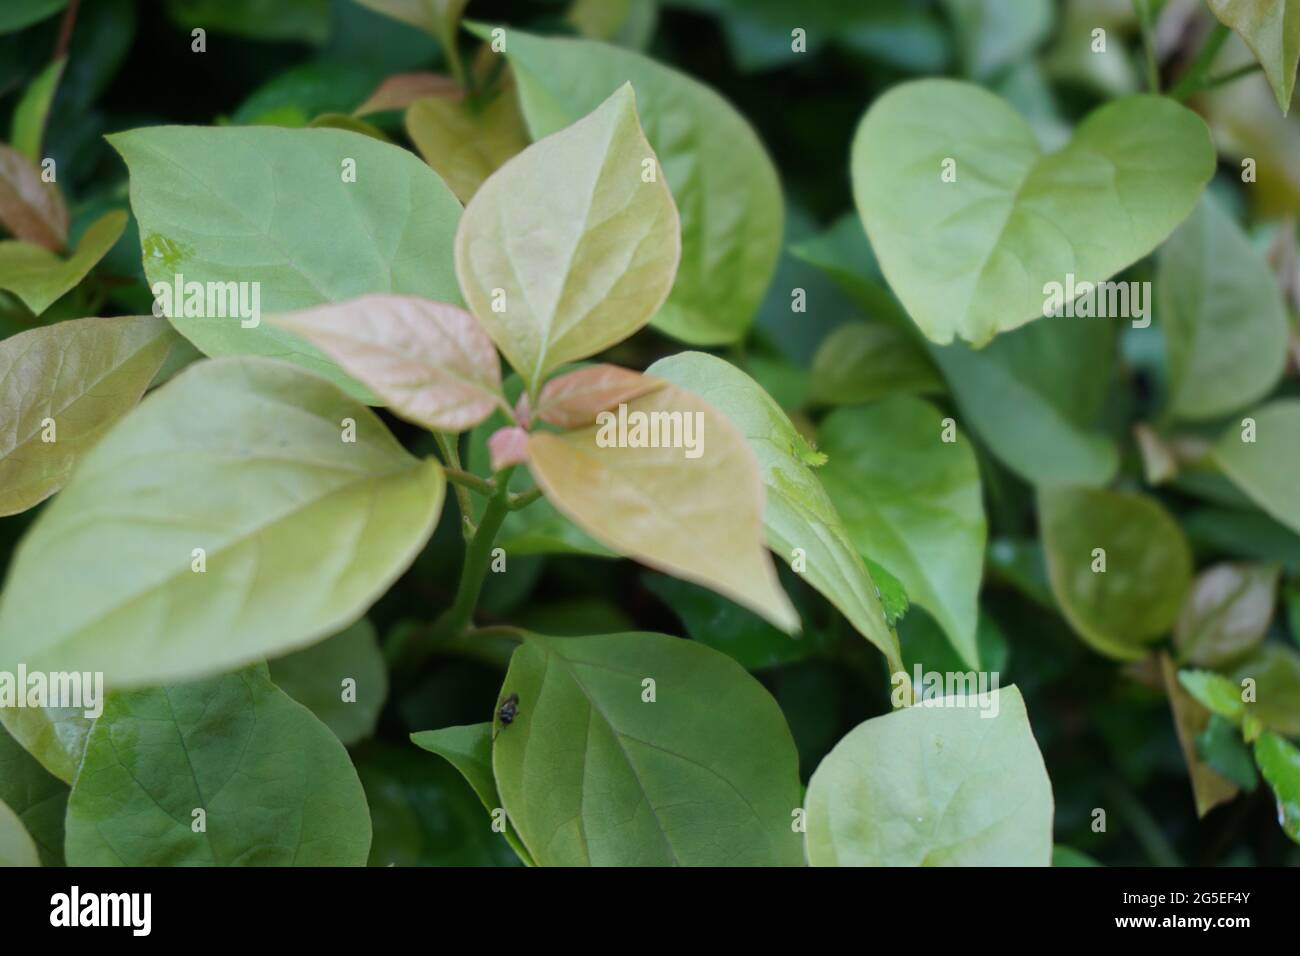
507, 712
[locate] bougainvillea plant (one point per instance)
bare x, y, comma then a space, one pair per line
767, 543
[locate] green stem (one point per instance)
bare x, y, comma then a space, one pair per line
1194, 79
1225, 78
523, 499
478, 556
1143, 10
468, 481
448, 445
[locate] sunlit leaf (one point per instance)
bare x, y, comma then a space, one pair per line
567, 249
38, 798
574, 399
1271, 28
1262, 457
225, 519
1279, 762
940, 785
39, 277
692, 507
431, 363
16, 846
466, 143
972, 257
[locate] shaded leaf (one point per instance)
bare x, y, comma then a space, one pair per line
36, 796
1226, 614
401, 90
31, 209
33, 110
592, 774
466, 144
865, 361
1266, 468
1148, 566
1272, 31
318, 678
16, 846
1275, 670
276, 787
1209, 787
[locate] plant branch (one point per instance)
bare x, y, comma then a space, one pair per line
65, 29
1194, 79
1143, 10
523, 499
449, 446
478, 556
468, 481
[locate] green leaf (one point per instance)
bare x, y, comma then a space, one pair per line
55, 736
430, 362
1224, 320
469, 750
424, 813
934, 786
973, 257
1034, 395
566, 250
1263, 458
1275, 670
37, 797
688, 502
342, 680
1271, 28
798, 512
1226, 614
996, 33
864, 361
1279, 762
307, 21
227, 205
81, 376
463, 144
243, 458
33, 110
1148, 566
16, 845
1221, 747
1068, 856
1215, 693
594, 774
40, 278
18, 14
276, 787
911, 501
1209, 787
438, 18
728, 193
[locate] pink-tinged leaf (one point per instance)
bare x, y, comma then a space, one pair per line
574, 400
401, 90
430, 362
508, 446
692, 507
31, 209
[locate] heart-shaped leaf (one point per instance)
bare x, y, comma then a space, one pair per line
1224, 320
646, 750
245, 508
63, 386
972, 221
1120, 566
31, 209
274, 786
911, 502
864, 361
220, 206
727, 189
957, 781
679, 490
39, 798
571, 246
802, 524
1271, 28
40, 278
430, 362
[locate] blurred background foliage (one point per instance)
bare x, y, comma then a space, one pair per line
1105, 729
